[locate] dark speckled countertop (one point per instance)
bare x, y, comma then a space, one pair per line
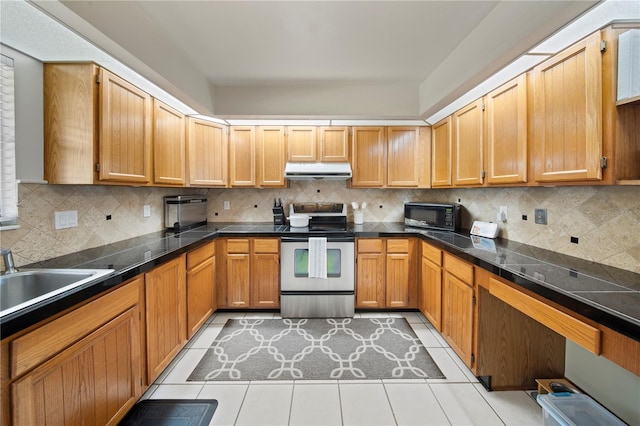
608, 295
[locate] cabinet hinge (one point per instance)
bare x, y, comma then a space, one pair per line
603, 163
603, 46
483, 174
473, 301
98, 78
473, 358
97, 167
483, 107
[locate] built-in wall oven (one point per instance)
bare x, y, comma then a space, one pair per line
302, 293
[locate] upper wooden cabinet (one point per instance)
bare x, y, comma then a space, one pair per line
169, 147
467, 145
506, 133
403, 161
271, 154
97, 127
369, 157
242, 156
567, 137
315, 144
334, 144
301, 142
441, 148
207, 150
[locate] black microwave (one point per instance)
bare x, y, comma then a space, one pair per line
432, 216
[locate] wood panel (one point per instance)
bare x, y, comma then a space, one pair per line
468, 139
403, 159
621, 349
370, 245
169, 145
397, 280
370, 285
441, 153
572, 328
432, 253
238, 280
165, 296
334, 144
238, 245
398, 245
506, 130
368, 157
430, 290
458, 267
125, 131
457, 316
301, 143
242, 156
271, 155
568, 114
265, 282
266, 245
201, 289
70, 123
200, 254
207, 153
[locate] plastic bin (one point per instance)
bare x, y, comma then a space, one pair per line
574, 409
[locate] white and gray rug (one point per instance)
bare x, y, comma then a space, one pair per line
316, 349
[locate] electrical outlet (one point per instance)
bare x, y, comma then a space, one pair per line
227, 205
66, 219
541, 216
146, 210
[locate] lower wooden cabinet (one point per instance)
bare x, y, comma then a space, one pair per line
94, 380
386, 273
201, 286
458, 306
251, 273
430, 284
165, 297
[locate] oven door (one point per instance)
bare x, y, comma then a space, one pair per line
294, 266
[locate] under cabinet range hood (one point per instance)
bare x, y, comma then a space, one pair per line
317, 171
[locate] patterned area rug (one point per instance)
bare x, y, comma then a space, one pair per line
316, 349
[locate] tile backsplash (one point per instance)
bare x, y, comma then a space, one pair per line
606, 220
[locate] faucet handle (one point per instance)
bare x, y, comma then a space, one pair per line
9, 265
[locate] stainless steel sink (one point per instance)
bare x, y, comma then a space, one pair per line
24, 288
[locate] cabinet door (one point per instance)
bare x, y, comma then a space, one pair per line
441, 146
568, 114
238, 276
334, 144
271, 157
166, 314
169, 147
370, 291
201, 291
457, 316
242, 156
368, 157
125, 131
467, 145
397, 286
207, 150
265, 285
506, 130
301, 143
431, 292
95, 381
403, 159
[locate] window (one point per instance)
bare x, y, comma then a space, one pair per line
8, 184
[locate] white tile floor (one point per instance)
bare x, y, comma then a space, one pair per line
457, 400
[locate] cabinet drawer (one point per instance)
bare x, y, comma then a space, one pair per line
266, 245
238, 246
199, 255
398, 245
431, 253
459, 268
572, 328
39, 345
370, 245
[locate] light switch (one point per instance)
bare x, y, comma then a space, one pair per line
146, 210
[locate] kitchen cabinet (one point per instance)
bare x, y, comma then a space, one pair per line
430, 290
207, 153
242, 156
252, 273
271, 154
385, 276
97, 127
567, 113
165, 296
201, 286
467, 158
458, 300
368, 157
84, 367
302, 143
334, 144
169, 145
506, 133
441, 153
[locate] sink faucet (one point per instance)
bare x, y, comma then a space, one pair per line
9, 265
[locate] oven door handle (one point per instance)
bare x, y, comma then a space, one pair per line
332, 239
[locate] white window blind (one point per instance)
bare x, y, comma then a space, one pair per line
8, 185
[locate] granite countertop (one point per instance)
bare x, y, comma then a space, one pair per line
608, 295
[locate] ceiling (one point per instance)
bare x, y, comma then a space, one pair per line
373, 59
